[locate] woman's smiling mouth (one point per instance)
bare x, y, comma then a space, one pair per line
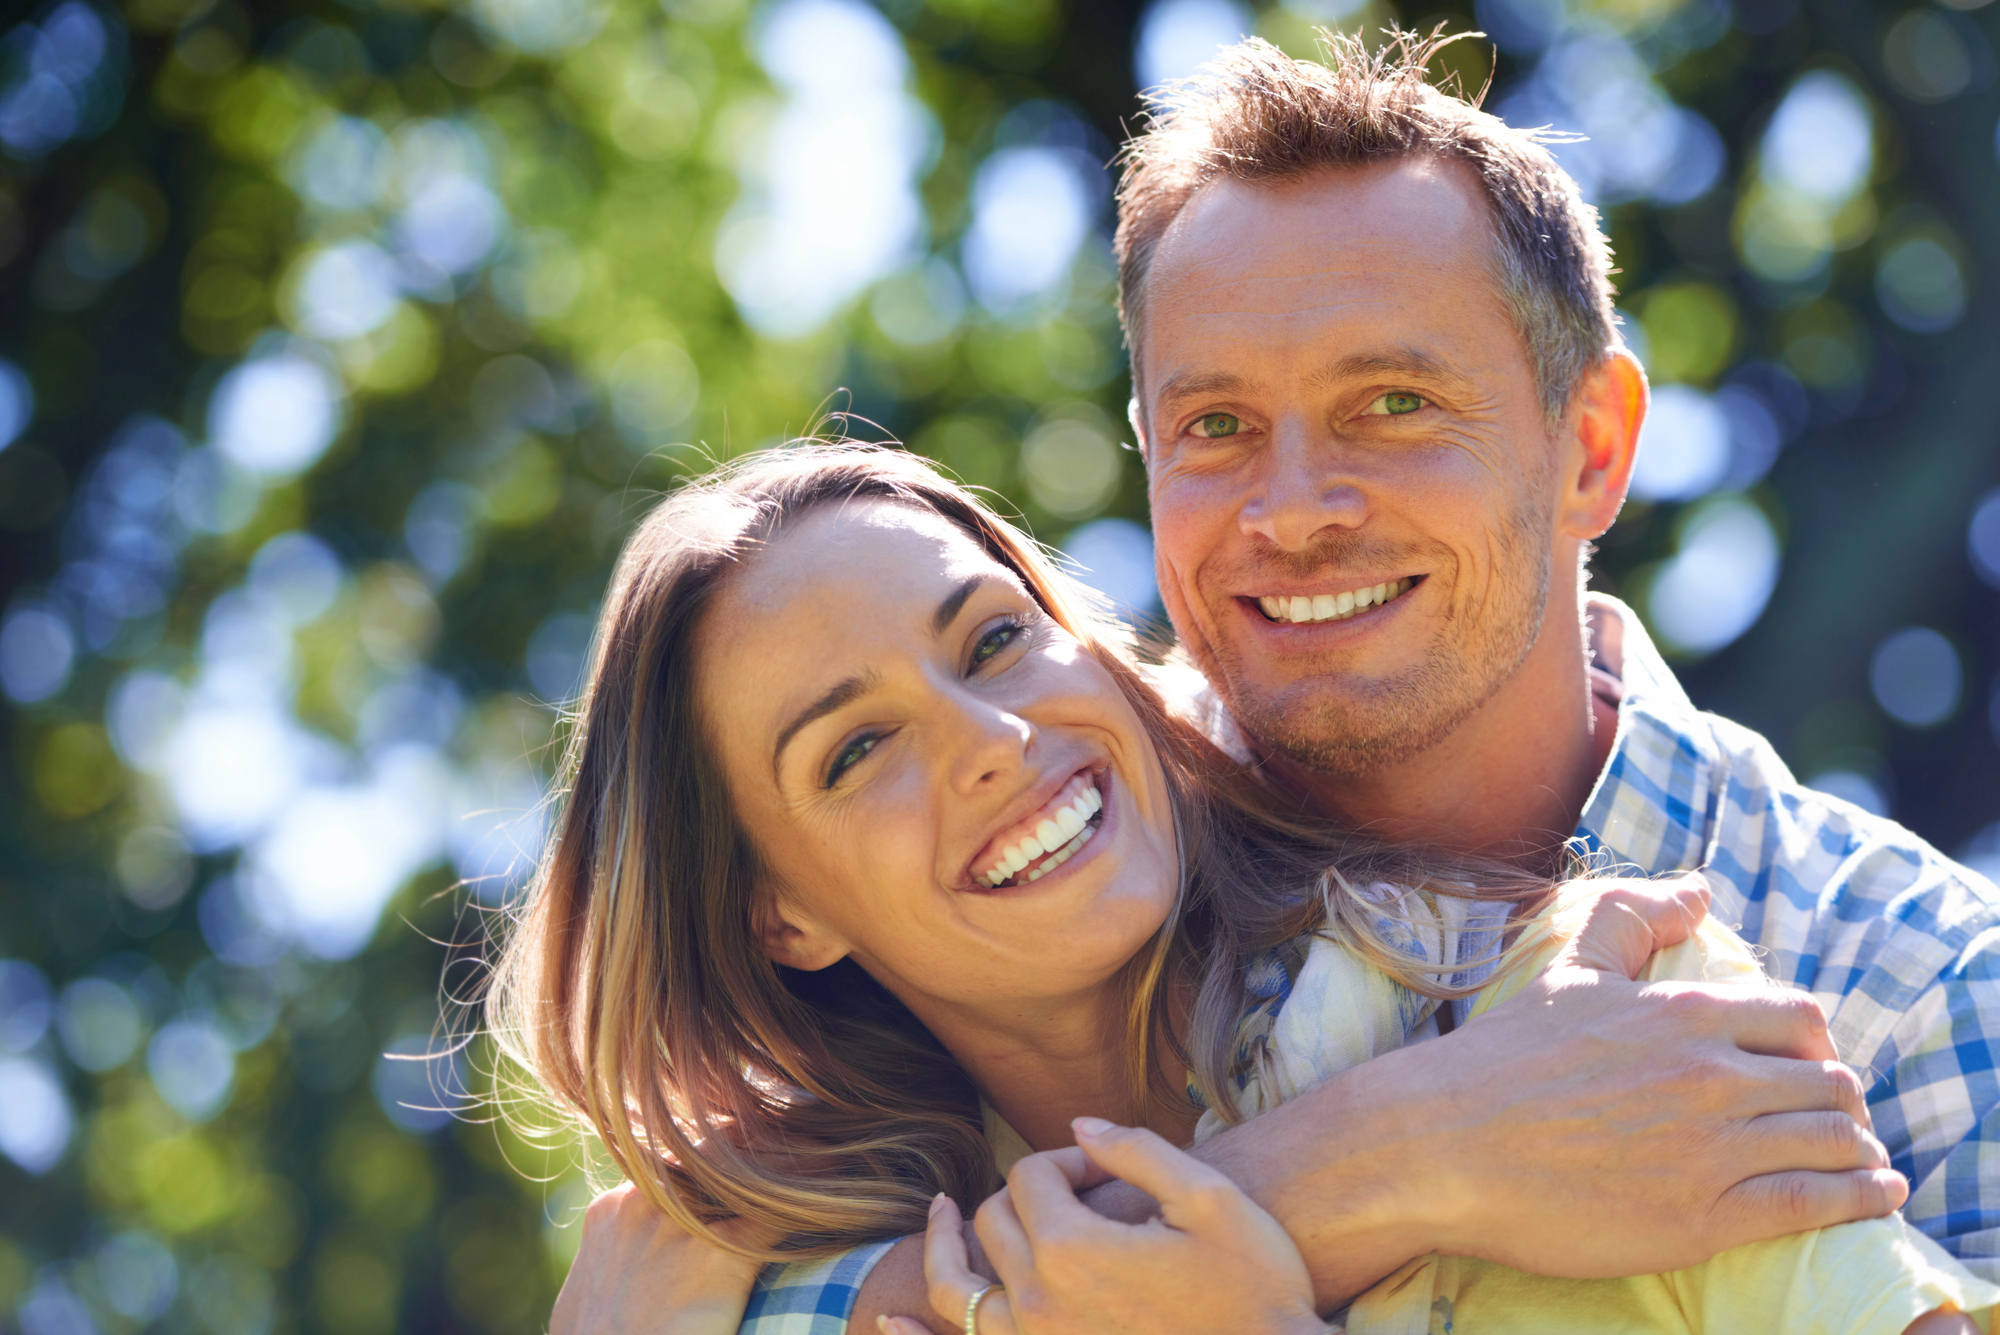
1047, 838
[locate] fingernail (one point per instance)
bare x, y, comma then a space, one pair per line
882, 1323
937, 1203
1090, 1126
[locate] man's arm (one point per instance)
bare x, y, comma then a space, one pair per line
1586, 1128
1590, 1126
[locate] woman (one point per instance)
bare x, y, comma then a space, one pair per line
878, 848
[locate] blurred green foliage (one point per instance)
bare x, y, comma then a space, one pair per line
477, 254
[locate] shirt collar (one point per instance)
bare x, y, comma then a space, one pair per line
1654, 804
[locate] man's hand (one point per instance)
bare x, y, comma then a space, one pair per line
637, 1273
1591, 1126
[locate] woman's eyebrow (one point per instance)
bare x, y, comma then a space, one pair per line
847, 692
948, 610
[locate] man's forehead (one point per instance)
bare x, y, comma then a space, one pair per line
1350, 219
1250, 269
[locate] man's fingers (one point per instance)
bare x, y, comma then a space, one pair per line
1820, 1142
1778, 1204
1787, 1085
1625, 923
1775, 1022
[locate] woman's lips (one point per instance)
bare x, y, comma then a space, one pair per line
1046, 838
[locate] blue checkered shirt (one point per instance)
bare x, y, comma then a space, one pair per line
1900, 943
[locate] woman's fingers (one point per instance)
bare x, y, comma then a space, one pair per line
1217, 1262
949, 1277
1042, 1194
947, 1269
1190, 1193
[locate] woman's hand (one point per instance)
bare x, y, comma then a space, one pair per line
638, 1273
1212, 1260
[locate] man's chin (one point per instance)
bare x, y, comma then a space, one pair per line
1344, 734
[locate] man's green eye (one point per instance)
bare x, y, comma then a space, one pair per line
1218, 424
1396, 404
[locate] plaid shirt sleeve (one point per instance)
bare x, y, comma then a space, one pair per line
810, 1297
1900, 943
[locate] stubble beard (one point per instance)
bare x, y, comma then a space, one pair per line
1345, 727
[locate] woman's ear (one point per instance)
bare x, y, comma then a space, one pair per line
791, 938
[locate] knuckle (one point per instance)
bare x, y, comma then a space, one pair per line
1686, 1008
1804, 1010
1794, 1196
1843, 1087
1837, 1134
1211, 1196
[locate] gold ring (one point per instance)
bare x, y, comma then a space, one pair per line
972, 1310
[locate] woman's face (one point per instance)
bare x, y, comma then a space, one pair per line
901, 727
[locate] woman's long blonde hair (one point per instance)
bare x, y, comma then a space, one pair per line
632, 988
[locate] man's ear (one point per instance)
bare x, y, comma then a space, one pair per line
1606, 410
791, 938
1138, 421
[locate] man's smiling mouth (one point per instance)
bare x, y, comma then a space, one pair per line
1297, 610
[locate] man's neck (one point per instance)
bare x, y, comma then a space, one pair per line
1510, 781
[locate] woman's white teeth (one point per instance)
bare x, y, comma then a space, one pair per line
1332, 606
1053, 843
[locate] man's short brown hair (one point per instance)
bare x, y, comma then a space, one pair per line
1257, 114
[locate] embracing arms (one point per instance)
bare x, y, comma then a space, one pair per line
1591, 1126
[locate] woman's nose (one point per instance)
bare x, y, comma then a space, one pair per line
991, 745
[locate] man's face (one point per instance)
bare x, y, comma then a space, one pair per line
1354, 493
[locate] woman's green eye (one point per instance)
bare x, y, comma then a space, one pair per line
849, 756
1396, 404
1216, 425
993, 641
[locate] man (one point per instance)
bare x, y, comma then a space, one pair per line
1384, 411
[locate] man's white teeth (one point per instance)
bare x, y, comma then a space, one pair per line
1332, 606
1053, 843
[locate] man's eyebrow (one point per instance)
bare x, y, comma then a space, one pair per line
846, 693
1190, 384
1413, 362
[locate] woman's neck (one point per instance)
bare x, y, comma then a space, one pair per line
1052, 1060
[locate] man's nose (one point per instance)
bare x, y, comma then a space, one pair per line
1301, 490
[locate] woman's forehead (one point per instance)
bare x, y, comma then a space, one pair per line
869, 551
